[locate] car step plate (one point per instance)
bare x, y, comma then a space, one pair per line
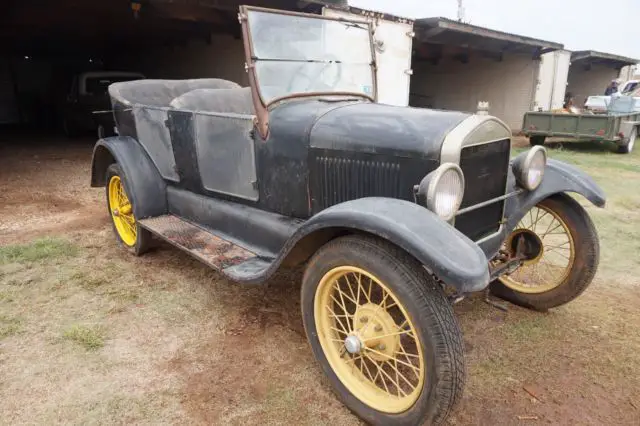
214, 251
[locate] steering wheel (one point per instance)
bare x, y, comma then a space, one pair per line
312, 79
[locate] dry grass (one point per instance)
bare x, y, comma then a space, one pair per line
92, 335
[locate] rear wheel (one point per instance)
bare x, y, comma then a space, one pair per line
537, 140
627, 148
125, 226
566, 262
383, 332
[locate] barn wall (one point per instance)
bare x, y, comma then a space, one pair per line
586, 82
222, 58
507, 85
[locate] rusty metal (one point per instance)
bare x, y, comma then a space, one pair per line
262, 113
203, 245
312, 94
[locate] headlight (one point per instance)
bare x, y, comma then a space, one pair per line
529, 166
442, 190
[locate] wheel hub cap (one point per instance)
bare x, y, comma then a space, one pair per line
353, 344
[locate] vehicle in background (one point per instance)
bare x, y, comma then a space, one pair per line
604, 118
630, 88
87, 106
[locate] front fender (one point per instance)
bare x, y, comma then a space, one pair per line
143, 183
559, 177
442, 249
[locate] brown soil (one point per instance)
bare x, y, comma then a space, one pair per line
184, 346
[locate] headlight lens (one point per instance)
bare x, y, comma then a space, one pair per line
529, 166
443, 189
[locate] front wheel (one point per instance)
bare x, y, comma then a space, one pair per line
383, 332
567, 257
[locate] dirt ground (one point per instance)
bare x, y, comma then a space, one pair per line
91, 335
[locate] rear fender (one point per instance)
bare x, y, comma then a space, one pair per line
143, 182
437, 245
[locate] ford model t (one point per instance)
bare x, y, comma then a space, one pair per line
396, 212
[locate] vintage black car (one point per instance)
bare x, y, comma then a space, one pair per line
396, 212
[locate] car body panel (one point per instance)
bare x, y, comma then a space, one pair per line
144, 185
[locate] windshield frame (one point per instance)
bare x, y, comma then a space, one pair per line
259, 103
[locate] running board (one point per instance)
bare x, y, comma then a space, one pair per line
235, 262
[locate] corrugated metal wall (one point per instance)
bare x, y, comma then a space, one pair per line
586, 82
508, 85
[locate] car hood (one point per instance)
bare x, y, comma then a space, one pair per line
383, 129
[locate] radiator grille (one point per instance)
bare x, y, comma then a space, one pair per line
485, 169
342, 179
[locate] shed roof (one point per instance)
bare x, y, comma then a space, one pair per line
450, 32
592, 57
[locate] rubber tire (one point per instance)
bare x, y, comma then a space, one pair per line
537, 140
586, 261
143, 237
431, 314
627, 148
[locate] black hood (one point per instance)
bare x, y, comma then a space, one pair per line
384, 129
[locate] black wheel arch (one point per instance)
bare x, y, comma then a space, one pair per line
412, 228
144, 184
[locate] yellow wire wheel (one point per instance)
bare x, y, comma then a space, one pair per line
555, 261
121, 211
369, 339
383, 331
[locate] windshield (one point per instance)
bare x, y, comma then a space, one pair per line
297, 54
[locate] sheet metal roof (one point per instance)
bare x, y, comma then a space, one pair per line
450, 32
591, 56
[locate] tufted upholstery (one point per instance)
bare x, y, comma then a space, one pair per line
162, 92
236, 101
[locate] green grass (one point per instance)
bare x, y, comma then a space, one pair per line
90, 338
41, 249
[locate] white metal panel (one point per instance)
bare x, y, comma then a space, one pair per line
563, 63
552, 80
508, 85
393, 57
546, 80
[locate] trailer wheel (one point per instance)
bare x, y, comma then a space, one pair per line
383, 332
630, 142
537, 140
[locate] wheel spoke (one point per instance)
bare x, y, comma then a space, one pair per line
380, 370
390, 357
338, 320
355, 299
399, 333
398, 373
384, 373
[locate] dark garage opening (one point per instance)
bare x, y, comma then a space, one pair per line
45, 45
